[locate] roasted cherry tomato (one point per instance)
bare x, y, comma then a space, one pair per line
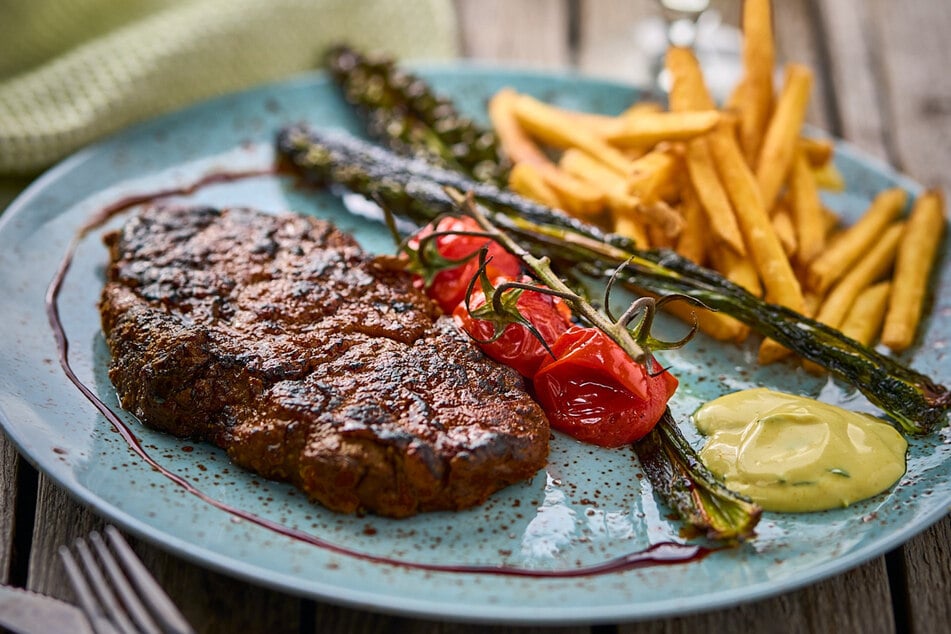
449, 286
593, 391
518, 347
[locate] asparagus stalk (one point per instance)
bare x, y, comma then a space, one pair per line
417, 190
401, 111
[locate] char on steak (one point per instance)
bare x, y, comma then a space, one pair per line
308, 360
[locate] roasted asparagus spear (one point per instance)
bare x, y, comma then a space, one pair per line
401, 111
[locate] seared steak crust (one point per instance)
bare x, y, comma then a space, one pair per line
280, 340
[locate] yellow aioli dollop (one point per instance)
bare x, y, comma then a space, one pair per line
794, 454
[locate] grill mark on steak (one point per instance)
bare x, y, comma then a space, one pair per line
307, 360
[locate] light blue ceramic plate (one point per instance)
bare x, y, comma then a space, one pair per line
588, 506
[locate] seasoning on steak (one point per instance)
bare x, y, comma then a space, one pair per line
308, 360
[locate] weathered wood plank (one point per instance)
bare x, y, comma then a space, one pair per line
8, 496
611, 40
853, 44
210, 601
853, 602
522, 32
927, 563
798, 41
915, 89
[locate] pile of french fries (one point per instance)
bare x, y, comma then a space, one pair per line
735, 188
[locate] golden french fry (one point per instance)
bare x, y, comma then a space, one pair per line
845, 250
547, 124
755, 101
577, 197
829, 178
516, 144
648, 129
653, 175
782, 286
664, 217
869, 269
688, 90
692, 242
721, 219
818, 152
916, 257
738, 269
527, 180
659, 237
872, 266
782, 135
807, 214
588, 168
865, 318
830, 222
785, 231
642, 107
630, 227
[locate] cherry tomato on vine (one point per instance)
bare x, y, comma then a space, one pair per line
593, 391
449, 286
518, 347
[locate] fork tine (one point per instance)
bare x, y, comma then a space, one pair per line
149, 590
98, 619
134, 606
87, 599
107, 599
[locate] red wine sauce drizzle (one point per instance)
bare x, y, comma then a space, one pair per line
660, 554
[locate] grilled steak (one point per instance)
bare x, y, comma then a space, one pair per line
308, 360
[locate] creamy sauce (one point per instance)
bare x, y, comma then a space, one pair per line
794, 454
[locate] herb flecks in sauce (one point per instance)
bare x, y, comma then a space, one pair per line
794, 454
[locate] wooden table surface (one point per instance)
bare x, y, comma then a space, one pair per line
882, 83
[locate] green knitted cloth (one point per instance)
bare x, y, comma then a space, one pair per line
72, 71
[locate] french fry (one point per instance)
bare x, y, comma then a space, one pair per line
687, 93
721, 218
869, 269
806, 207
828, 177
665, 218
782, 135
865, 318
527, 180
844, 251
915, 260
755, 102
516, 144
738, 269
688, 90
547, 124
692, 242
773, 266
653, 175
629, 226
588, 168
648, 129
658, 237
642, 107
623, 206
785, 231
818, 152
577, 197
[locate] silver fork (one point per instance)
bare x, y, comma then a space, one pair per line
116, 591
